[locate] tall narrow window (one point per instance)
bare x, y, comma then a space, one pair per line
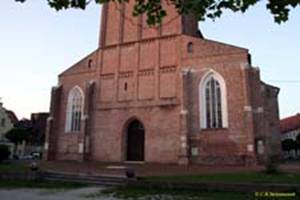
74, 110
3, 122
213, 107
190, 47
90, 63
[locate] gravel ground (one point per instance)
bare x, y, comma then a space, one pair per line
50, 194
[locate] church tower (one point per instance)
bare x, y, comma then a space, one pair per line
119, 26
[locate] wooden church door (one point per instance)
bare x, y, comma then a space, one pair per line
135, 141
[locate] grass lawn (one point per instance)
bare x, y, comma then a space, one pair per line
250, 177
13, 184
14, 167
23, 167
156, 194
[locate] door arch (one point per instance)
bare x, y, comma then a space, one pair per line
135, 141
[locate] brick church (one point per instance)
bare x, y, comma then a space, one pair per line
162, 95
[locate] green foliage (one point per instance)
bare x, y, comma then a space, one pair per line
4, 153
17, 135
202, 9
288, 145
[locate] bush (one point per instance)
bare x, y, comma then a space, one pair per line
4, 153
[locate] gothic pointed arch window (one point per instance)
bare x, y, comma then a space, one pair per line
74, 110
213, 101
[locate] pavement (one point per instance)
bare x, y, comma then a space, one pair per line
96, 168
52, 194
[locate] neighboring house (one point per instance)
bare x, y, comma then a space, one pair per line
162, 95
36, 126
24, 123
38, 122
7, 121
38, 130
20, 149
290, 129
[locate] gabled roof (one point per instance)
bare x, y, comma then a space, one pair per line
271, 86
12, 116
290, 123
82, 65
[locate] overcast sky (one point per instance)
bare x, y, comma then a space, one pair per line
37, 43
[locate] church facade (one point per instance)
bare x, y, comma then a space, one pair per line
162, 95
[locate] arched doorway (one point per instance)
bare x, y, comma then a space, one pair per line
135, 141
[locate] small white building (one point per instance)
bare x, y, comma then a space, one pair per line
290, 129
7, 121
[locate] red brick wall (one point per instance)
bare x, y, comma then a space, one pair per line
131, 24
226, 145
113, 24
144, 80
161, 133
116, 29
78, 75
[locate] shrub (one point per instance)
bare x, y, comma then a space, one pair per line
4, 153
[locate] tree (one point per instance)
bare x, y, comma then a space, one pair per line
4, 153
201, 9
17, 135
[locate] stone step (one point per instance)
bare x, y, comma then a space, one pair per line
92, 182
87, 177
84, 178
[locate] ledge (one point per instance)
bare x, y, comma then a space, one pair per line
172, 102
213, 129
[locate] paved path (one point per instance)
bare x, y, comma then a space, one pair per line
50, 194
96, 168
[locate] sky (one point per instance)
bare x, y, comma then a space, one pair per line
37, 43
